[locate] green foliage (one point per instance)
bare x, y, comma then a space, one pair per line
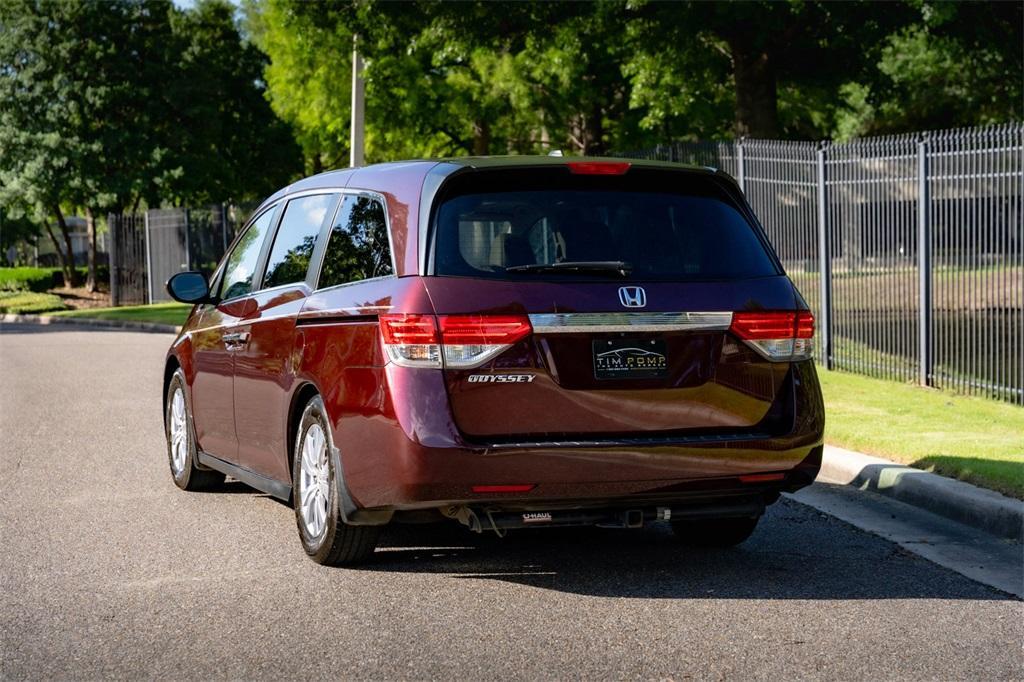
106, 105
525, 77
38, 279
308, 78
24, 302
960, 65
223, 140
27, 279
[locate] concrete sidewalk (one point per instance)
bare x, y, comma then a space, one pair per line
962, 502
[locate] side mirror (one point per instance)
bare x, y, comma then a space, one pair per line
189, 287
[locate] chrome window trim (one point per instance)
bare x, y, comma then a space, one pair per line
352, 284
387, 225
571, 323
336, 200
275, 220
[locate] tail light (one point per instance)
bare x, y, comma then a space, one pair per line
455, 341
778, 336
411, 340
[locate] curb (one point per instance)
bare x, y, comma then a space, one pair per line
983, 509
87, 323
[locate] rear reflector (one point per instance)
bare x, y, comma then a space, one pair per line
598, 167
761, 478
524, 488
780, 336
456, 341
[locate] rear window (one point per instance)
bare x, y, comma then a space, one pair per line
663, 225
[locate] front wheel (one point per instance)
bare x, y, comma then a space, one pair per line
181, 441
714, 532
325, 536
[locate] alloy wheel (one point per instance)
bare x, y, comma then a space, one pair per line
314, 481
179, 432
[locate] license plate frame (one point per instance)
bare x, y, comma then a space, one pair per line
630, 358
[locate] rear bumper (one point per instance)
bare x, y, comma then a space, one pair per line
420, 461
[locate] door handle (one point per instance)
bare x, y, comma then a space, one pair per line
235, 340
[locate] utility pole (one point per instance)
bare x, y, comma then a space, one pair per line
357, 133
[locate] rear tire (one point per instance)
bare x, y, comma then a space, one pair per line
181, 441
325, 536
714, 532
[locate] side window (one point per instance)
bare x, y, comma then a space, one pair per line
358, 247
295, 239
241, 265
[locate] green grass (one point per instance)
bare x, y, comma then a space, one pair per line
976, 440
21, 302
160, 313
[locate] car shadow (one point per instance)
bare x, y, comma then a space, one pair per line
796, 553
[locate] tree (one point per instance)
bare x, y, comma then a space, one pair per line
308, 74
235, 148
104, 106
784, 61
956, 64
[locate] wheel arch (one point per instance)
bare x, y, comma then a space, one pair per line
350, 511
302, 395
171, 365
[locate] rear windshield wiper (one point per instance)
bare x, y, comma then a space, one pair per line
611, 267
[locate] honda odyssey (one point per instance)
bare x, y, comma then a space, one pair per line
504, 342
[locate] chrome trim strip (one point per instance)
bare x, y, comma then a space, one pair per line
574, 323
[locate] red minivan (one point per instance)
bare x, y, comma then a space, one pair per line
506, 342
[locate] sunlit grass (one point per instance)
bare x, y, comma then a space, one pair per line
973, 439
160, 313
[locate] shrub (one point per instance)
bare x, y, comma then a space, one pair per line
20, 302
43, 279
28, 279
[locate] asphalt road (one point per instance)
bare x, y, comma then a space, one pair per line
107, 570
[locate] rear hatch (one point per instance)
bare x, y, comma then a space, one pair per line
654, 305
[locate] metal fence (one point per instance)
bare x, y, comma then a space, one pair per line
907, 248
147, 248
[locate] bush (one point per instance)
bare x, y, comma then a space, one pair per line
28, 279
43, 279
20, 302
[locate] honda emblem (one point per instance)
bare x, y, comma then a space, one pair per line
632, 297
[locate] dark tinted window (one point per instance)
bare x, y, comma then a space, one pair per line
358, 248
666, 226
241, 265
293, 245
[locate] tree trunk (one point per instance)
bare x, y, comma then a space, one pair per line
481, 137
757, 113
68, 254
90, 230
71, 274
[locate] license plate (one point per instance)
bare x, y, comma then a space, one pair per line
630, 359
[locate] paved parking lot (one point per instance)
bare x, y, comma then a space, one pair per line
107, 569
